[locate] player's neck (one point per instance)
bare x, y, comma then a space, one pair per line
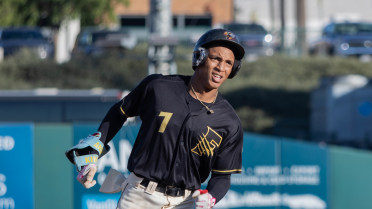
204, 95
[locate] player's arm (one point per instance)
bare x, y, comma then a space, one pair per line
219, 185
229, 161
109, 127
87, 152
128, 107
112, 122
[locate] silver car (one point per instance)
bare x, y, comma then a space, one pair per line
344, 39
255, 39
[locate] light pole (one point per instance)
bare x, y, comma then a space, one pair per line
301, 27
161, 51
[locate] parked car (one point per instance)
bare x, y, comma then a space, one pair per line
99, 41
255, 39
344, 39
13, 39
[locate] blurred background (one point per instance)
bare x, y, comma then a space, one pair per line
303, 94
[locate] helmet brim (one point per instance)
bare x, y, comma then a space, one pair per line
237, 49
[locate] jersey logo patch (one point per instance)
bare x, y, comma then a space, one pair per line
207, 143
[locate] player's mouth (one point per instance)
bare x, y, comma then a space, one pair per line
216, 78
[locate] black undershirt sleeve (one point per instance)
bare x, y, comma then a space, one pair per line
218, 185
111, 123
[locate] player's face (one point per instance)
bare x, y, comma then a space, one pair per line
217, 68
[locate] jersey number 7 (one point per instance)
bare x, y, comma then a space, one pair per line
167, 116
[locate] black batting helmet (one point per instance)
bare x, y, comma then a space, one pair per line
221, 37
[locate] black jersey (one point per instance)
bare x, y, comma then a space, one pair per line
179, 142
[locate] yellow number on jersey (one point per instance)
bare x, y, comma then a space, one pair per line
167, 116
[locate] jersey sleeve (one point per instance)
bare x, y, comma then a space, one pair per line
219, 185
131, 104
229, 159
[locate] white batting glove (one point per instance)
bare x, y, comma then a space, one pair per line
203, 200
86, 175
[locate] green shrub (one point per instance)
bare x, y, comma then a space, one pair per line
23, 71
271, 95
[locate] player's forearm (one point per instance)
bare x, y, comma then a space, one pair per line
218, 185
111, 123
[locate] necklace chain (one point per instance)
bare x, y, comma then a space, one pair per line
206, 107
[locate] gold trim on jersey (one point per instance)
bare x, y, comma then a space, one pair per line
228, 171
122, 111
207, 143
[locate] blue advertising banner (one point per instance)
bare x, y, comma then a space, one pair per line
252, 188
304, 171
117, 158
279, 173
17, 166
90, 201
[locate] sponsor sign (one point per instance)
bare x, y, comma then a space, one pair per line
279, 174
99, 201
17, 166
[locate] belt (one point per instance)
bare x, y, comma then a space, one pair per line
168, 190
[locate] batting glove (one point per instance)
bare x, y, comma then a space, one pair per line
86, 175
203, 200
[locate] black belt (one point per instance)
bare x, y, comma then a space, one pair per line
168, 190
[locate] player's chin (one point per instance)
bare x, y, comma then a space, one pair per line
214, 85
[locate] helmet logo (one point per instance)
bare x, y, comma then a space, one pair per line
229, 35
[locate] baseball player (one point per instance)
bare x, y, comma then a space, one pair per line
188, 132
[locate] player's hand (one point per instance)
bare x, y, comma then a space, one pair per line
203, 199
86, 175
